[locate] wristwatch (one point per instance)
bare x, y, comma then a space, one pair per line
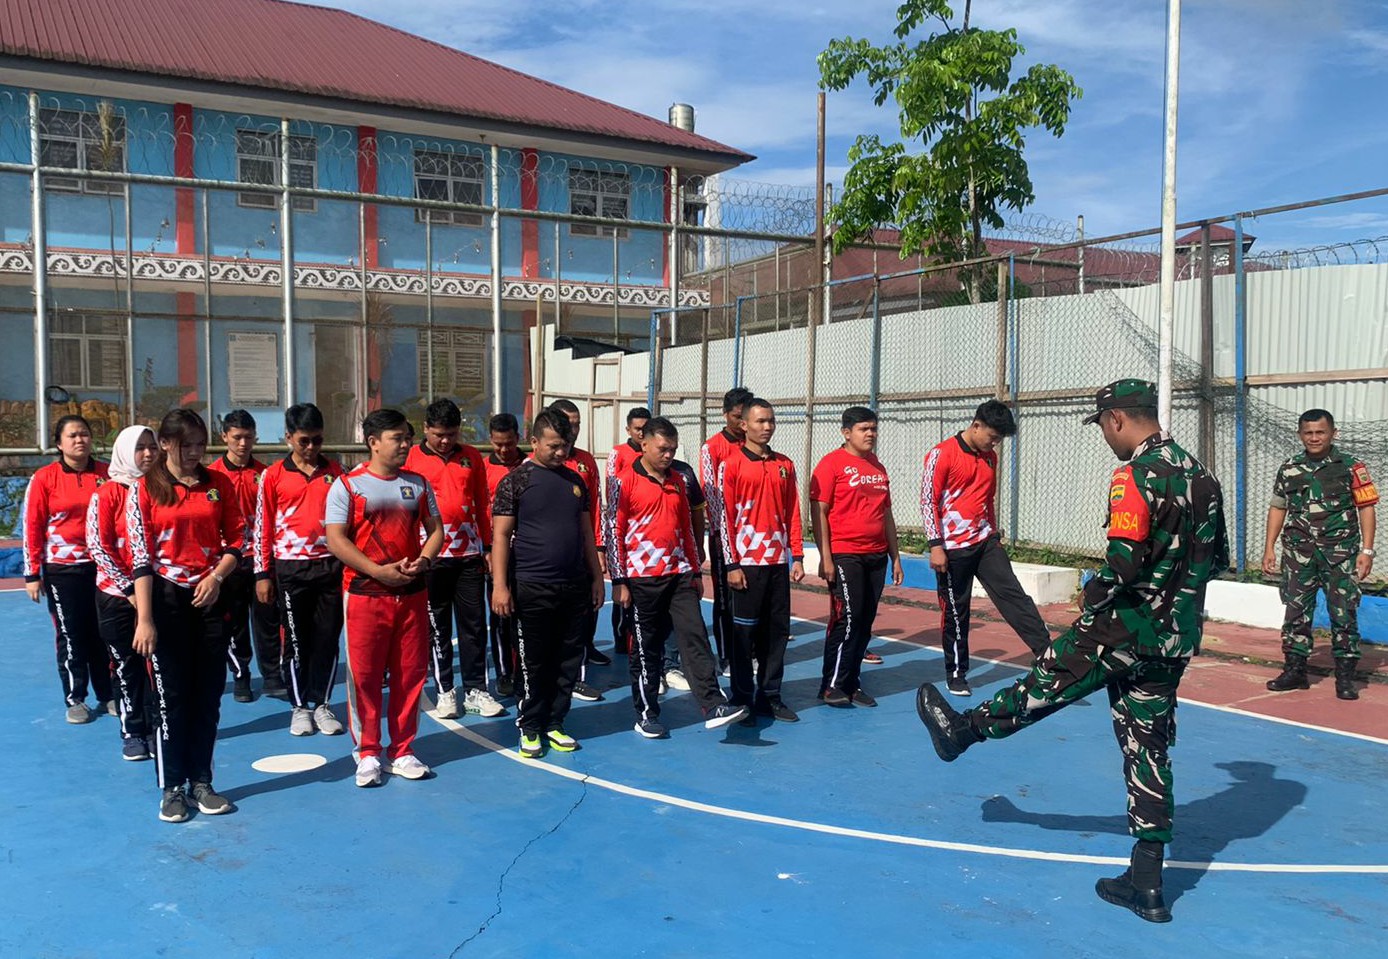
218, 577
1369, 552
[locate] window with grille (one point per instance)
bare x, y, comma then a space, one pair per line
86, 351
258, 161
76, 140
459, 361
451, 178
599, 193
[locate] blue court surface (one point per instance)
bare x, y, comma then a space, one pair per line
842, 834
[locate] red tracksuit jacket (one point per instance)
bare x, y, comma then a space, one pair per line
460, 490
650, 532
760, 522
957, 494
55, 516
108, 540
289, 513
184, 541
246, 480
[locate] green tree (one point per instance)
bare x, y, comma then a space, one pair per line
956, 97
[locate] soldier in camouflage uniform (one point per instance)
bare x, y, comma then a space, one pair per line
1323, 507
1140, 625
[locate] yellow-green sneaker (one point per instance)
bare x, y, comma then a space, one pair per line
531, 747
560, 741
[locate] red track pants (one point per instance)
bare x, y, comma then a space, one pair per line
386, 635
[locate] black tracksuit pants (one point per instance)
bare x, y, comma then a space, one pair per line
661, 605
722, 607
501, 631
622, 627
310, 595
988, 563
82, 656
189, 673
115, 617
457, 590
551, 619
761, 631
249, 618
853, 599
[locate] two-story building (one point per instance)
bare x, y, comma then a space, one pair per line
254, 202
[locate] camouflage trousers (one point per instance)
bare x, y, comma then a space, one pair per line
1306, 569
1142, 703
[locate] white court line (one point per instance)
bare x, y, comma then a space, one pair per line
893, 838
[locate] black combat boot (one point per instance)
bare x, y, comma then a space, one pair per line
950, 731
1344, 679
1293, 675
1139, 888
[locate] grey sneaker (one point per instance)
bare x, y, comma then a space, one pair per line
301, 723
724, 714
408, 766
588, 694
110, 708
652, 729
369, 772
327, 723
447, 705
209, 802
674, 679
174, 806
481, 703
79, 713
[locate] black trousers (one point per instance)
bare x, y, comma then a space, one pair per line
761, 631
988, 563
115, 618
722, 607
662, 605
82, 656
501, 633
622, 627
853, 599
457, 590
310, 595
249, 618
188, 669
549, 639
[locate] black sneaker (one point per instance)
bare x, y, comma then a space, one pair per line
174, 806
724, 714
861, 698
959, 686
504, 686
596, 658
833, 696
779, 711
134, 749
950, 731
589, 694
209, 802
1149, 904
275, 689
651, 729
241, 690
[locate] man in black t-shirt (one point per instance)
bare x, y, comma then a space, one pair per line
542, 532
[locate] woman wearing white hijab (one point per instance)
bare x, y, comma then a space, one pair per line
134, 453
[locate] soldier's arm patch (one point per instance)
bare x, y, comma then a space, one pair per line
1128, 514
1362, 487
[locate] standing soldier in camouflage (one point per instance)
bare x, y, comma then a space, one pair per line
1323, 507
1139, 627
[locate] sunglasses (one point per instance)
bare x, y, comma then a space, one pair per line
305, 442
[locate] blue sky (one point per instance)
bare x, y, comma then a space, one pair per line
1281, 100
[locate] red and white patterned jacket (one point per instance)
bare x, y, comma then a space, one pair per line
183, 542
650, 532
55, 515
460, 489
289, 513
760, 522
108, 541
957, 487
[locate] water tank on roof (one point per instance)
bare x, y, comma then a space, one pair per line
682, 116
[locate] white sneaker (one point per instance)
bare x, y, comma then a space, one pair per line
480, 702
408, 766
301, 723
369, 772
327, 723
675, 679
447, 706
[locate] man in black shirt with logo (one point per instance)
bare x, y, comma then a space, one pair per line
542, 534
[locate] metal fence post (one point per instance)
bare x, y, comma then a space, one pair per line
287, 266
737, 341
40, 283
1240, 399
497, 403
1015, 331
875, 375
651, 369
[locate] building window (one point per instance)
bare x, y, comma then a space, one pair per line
77, 140
599, 193
86, 351
258, 161
460, 362
450, 178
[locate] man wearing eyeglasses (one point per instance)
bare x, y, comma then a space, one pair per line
291, 553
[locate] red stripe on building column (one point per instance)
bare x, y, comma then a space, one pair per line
186, 305
530, 200
366, 183
185, 229
665, 240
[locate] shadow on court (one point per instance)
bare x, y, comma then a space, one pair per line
1204, 827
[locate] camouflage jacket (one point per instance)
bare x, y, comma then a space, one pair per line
1166, 540
1322, 498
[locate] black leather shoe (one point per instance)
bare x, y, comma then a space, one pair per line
1146, 903
597, 658
948, 729
241, 690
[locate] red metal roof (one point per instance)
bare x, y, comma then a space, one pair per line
279, 45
